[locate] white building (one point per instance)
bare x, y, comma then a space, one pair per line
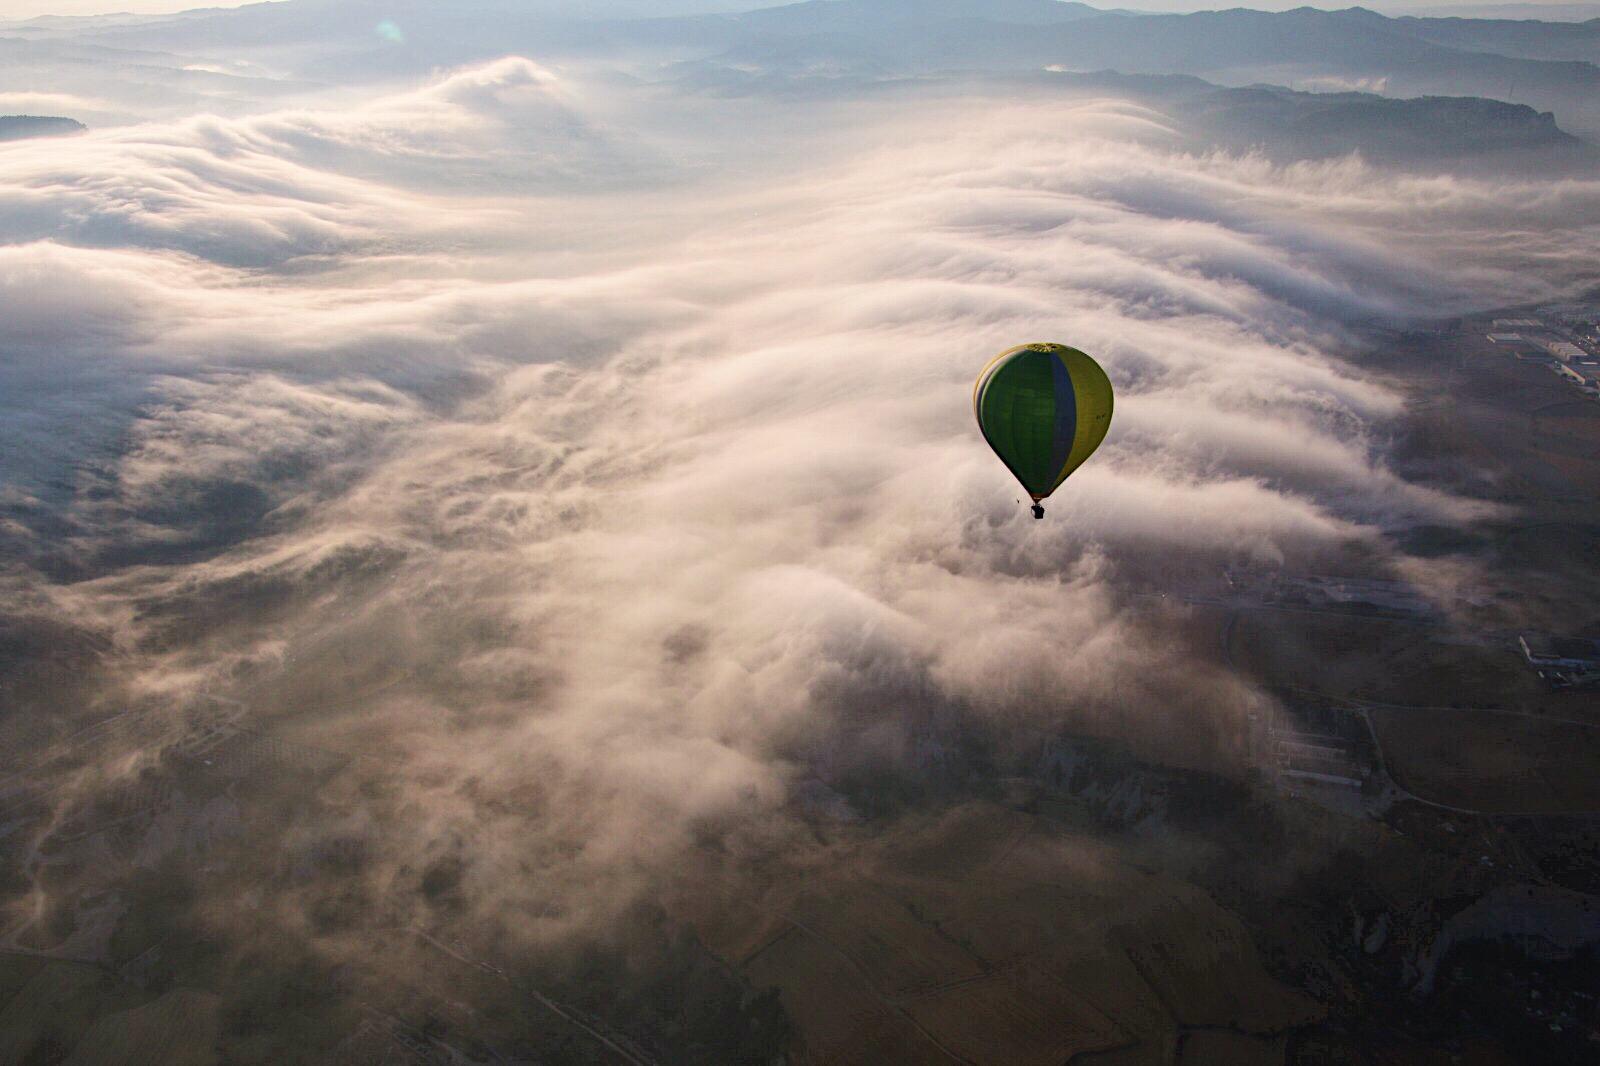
1565, 351
1561, 653
1584, 375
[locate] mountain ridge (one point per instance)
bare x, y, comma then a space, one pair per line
18, 127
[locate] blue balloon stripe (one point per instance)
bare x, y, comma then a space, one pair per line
1066, 420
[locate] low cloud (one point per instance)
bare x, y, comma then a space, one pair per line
596, 523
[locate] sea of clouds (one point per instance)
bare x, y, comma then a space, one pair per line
602, 470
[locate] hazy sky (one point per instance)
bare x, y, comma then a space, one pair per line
30, 8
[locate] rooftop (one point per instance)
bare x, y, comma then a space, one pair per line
1545, 647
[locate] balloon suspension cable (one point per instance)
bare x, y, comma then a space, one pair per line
1038, 510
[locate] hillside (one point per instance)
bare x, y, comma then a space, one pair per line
16, 127
1424, 129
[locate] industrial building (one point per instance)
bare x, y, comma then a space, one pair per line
1322, 755
1585, 375
1565, 351
1313, 757
1563, 663
1560, 653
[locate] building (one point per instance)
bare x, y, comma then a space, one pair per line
1563, 663
1585, 375
1565, 351
1312, 757
1505, 338
1321, 754
1560, 653
1516, 323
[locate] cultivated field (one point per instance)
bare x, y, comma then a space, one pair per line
1497, 763
80, 1015
990, 936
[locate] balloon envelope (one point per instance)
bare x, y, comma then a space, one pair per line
1044, 409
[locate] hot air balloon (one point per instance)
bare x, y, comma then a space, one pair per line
1044, 409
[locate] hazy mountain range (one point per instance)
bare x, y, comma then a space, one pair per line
1549, 66
1463, 132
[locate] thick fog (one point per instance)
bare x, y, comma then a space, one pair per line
593, 463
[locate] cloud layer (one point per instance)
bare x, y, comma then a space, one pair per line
602, 521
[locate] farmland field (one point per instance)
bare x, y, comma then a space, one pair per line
1492, 762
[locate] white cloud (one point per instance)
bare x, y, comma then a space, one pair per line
639, 505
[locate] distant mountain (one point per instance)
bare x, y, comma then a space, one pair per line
16, 127
1354, 48
1354, 42
1463, 133
1510, 37
1426, 129
1552, 67
830, 16
1521, 12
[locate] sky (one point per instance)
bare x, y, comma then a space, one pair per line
31, 8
